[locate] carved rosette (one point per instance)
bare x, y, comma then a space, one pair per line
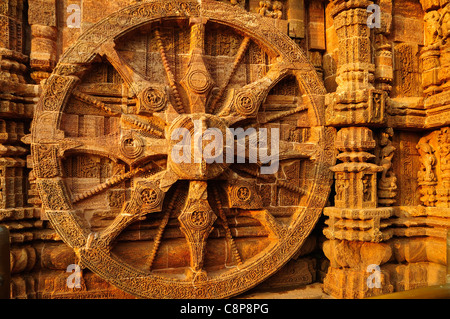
152, 100
131, 146
150, 196
242, 194
111, 155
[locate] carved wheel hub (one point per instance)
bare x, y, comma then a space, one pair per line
188, 137
106, 149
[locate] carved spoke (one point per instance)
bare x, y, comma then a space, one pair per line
171, 77
146, 198
256, 148
243, 168
122, 221
196, 222
276, 230
197, 81
239, 56
135, 81
112, 182
228, 234
162, 226
104, 145
294, 150
291, 187
247, 100
131, 148
280, 115
144, 125
151, 97
95, 102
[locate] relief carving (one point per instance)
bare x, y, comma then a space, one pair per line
426, 176
123, 171
107, 189
387, 185
272, 9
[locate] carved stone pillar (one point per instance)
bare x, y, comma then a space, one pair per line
435, 59
350, 20
296, 18
420, 232
384, 73
431, 51
356, 220
43, 56
384, 70
12, 65
356, 100
444, 71
316, 34
16, 110
430, 62
356, 188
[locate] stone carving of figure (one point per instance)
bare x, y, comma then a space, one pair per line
445, 22
367, 194
387, 184
233, 2
277, 10
341, 186
428, 160
264, 8
444, 137
433, 28
387, 153
269, 9
444, 153
445, 160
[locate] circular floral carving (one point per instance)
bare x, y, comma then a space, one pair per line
150, 197
243, 193
198, 81
131, 147
246, 104
153, 100
199, 219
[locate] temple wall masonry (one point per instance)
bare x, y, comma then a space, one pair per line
92, 93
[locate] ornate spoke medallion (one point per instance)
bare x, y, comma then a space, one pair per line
160, 219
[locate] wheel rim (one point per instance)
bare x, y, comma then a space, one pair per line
156, 187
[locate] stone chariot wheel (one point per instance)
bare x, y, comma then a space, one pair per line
162, 221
